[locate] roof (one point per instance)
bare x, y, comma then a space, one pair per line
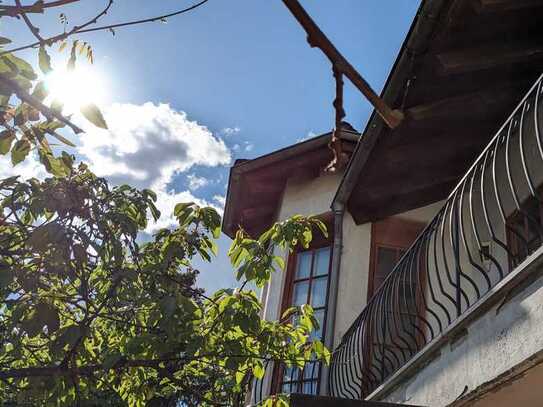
463, 67
255, 186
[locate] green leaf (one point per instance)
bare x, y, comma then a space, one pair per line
19, 151
40, 91
44, 60
73, 57
258, 369
93, 114
6, 138
22, 67
4, 41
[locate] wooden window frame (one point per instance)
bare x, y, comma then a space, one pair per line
318, 242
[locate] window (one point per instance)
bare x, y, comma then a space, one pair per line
391, 238
307, 283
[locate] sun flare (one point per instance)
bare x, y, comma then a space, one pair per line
75, 88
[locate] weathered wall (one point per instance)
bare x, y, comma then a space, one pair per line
495, 344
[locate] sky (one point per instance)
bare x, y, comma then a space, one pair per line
232, 79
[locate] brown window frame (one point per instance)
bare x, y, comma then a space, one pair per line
319, 242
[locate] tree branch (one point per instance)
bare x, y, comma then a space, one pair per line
81, 29
36, 104
35, 31
14, 11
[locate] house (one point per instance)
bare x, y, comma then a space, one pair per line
430, 287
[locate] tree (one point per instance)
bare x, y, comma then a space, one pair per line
90, 314
85, 307
27, 120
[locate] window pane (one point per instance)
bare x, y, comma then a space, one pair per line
290, 374
303, 268
319, 315
300, 293
386, 260
311, 370
288, 388
322, 261
318, 292
310, 387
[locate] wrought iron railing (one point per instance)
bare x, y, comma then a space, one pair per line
489, 224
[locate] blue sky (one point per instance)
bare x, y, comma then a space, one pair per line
233, 79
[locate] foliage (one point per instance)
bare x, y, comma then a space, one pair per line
91, 313
29, 119
86, 307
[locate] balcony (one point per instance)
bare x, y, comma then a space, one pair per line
482, 242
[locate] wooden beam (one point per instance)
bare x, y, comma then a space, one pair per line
487, 57
317, 38
480, 103
257, 212
492, 6
397, 204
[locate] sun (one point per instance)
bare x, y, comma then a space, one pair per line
75, 88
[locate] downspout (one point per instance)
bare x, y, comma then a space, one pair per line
338, 210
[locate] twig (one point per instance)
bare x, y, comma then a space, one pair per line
14, 11
82, 30
35, 103
29, 24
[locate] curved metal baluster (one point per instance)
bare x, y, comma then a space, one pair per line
474, 225
539, 90
485, 211
448, 207
498, 197
464, 240
423, 270
455, 244
439, 218
428, 276
393, 328
415, 259
514, 192
523, 121
404, 335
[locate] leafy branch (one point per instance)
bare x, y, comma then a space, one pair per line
82, 29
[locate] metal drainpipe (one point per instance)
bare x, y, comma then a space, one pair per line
338, 209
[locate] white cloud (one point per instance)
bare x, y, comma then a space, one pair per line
230, 131
29, 168
146, 146
220, 199
196, 182
249, 146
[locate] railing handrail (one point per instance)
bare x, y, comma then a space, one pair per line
454, 204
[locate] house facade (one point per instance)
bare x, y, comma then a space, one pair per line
429, 288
